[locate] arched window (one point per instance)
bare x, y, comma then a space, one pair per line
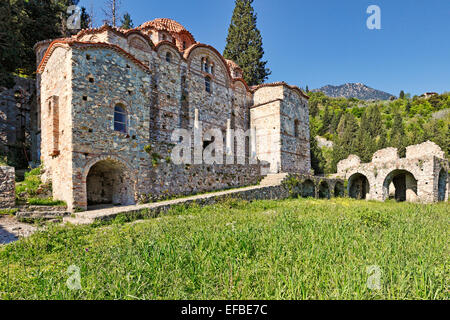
184, 45
120, 119
168, 57
208, 84
211, 68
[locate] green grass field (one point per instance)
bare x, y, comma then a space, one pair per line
293, 249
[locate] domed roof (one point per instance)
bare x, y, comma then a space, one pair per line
233, 65
164, 24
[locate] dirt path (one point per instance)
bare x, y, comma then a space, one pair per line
11, 230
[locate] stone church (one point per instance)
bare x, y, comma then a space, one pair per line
111, 98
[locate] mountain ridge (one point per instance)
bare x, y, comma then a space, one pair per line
354, 90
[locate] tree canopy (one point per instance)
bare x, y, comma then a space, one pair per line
244, 43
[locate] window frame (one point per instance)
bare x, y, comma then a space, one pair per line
208, 84
123, 113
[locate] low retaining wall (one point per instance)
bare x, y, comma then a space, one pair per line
7, 187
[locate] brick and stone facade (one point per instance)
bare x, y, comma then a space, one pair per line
7, 187
422, 176
110, 100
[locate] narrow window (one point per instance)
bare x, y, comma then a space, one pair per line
206, 65
168, 57
212, 68
120, 119
184, 45
296, 128
208, 84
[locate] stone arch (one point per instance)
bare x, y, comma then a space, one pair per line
324, 190
442, 185
400, 185
199, 50
308, 189
339, 190
358, 186
108, 180
163, 47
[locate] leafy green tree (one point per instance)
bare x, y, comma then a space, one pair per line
244, 43
127, 22
402, 94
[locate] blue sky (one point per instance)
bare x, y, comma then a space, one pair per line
320, 42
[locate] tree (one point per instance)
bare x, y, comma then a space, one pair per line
10, 44
317, 158
326, 121
345, 140
127, 22
307, 89
111, 11
398, 139
244, 43
402, 94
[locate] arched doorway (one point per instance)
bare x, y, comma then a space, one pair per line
308, 189
358, 186
324, 190
108, 183
339, 190
401, 186
442, 185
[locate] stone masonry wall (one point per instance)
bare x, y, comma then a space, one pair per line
425, 174
7, 187
56, 123
295, 144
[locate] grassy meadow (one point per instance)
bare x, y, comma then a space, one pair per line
292, 249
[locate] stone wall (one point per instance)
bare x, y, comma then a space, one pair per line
7, 187
281, 119
421, 176
55, 92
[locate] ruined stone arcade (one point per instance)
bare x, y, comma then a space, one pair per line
422, 176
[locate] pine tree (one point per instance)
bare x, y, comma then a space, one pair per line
127, 22
345, 140
398, 139
317, 158
402, 94
326, 121
335, 121
307, 89
244, 43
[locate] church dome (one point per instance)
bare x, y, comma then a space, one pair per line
164, 24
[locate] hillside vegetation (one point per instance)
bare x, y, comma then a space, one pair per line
292, 249
362, 127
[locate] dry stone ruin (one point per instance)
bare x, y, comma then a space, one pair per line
422, 176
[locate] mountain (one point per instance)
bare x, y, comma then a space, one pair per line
354, 90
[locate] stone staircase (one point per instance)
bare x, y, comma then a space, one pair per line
41, 212
273, 179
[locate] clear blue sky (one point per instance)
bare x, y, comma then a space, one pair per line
320, 42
